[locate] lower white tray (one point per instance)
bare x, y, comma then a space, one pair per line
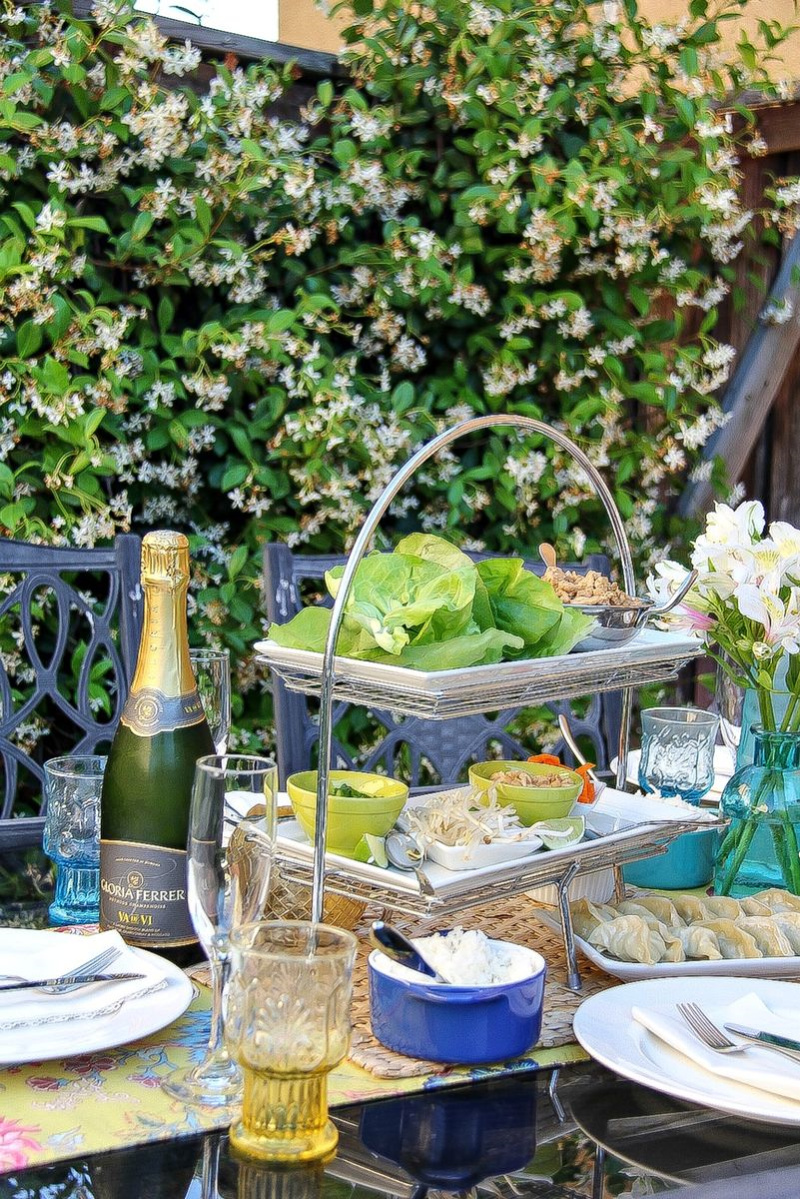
788, 967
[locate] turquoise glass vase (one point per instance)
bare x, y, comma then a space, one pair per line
762, 802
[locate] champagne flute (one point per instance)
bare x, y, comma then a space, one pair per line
232, 826
212, 672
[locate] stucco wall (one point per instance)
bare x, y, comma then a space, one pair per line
303, 24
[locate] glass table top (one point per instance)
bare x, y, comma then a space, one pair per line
577, 1132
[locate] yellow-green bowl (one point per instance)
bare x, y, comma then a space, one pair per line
348, 817
530, 803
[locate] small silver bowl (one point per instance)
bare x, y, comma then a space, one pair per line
618, 624
615, 624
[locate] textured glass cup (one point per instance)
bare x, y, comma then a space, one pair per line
72, 786
678, 751
232, 826
287, 1024
212, 672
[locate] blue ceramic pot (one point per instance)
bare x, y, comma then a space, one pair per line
469, 1025
688, 863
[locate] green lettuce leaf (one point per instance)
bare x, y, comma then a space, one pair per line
521, 602
475, 649
564, 636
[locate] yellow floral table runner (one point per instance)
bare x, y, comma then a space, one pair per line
51, 1111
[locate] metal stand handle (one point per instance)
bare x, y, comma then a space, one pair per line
360, 547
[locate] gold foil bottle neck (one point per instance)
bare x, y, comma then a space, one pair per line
165, 558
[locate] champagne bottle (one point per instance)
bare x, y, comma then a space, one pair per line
144, 808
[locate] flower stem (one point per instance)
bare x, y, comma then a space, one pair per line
744, 836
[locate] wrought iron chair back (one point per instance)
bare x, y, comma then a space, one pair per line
446, 746
61, 607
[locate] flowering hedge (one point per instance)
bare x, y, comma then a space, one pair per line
215, 319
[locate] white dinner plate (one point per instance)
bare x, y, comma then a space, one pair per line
136, 1017
788, 967
605, 1027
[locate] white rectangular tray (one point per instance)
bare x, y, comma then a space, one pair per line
628, 972
439, 694
613, 815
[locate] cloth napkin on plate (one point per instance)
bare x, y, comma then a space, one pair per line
762, 1068
33, 954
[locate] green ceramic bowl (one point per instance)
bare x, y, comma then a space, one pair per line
530, 803
349, 817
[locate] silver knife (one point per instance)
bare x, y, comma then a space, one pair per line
766, 1039
66, 980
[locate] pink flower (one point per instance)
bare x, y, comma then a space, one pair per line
15, 1145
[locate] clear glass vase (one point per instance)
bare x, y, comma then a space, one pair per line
762, 802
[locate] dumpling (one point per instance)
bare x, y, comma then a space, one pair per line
734, 942
698, 942
751, 905
630, 939
587, 915
779, 901
674, 947
769, 938
661, 907
632, 907
689, 908
721, 906
789, 924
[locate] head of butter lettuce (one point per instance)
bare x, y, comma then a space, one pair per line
428, 606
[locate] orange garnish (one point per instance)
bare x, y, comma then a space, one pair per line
546, 759
587, 793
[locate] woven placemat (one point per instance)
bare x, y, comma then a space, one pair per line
507, 920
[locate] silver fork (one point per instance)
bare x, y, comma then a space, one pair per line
72, 981
714, 1038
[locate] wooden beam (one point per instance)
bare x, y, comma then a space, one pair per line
316, 64
779, 125
763, 366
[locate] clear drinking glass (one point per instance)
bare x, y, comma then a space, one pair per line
212, 672
72, 786
678, 751
287, 1024
232, 824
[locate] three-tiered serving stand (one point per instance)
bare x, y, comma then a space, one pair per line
474, 690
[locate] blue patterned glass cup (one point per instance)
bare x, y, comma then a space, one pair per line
72, 835
678, 751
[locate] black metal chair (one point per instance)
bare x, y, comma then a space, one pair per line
446, 746
74, 619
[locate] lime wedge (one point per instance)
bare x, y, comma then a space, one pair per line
371, 849
557, 834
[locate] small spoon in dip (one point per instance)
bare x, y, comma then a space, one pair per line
396, 945
404, 853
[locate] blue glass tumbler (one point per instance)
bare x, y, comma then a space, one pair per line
72, 835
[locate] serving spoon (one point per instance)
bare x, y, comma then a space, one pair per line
404, 853
396, 945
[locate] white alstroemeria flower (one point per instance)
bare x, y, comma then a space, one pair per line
764, 563
727, 529
781, 620
690, 614
786, 537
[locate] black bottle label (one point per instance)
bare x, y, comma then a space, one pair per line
148, 711
143, 894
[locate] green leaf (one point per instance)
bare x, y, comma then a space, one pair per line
237, 562
235, 476
29, 338
142, 224
95, 223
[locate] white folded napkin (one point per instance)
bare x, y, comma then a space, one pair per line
33, 954
756, 1067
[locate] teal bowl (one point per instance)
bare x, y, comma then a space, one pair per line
687, 863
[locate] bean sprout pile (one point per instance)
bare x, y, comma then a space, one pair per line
466, 817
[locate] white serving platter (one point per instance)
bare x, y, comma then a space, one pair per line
440, 694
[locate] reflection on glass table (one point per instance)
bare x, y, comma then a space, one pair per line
583, 1135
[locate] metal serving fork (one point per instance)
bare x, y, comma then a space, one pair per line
71, 982
713, 1038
